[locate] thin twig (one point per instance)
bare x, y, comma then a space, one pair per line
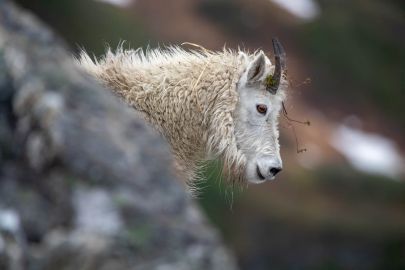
299, 150
293, 120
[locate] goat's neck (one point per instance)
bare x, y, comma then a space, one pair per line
185, 105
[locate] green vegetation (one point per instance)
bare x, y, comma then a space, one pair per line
301, 210
331, 217
217, 198
229, 15
90, 25
270, 81
140, 235
359, 47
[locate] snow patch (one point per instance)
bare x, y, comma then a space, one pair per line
119, 3
368, 152
303, 9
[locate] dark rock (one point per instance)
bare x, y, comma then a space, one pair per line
84, 184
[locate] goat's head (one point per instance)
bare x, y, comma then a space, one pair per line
261, 92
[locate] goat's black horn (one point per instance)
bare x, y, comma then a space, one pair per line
280, 68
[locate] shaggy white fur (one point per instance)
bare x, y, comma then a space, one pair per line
188, 96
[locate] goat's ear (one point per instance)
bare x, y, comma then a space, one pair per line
256, 68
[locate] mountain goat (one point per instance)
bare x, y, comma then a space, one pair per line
207, 104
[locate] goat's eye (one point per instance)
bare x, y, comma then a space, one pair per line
261, 108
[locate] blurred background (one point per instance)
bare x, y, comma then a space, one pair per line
341, 203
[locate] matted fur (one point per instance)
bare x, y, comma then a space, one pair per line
188, 96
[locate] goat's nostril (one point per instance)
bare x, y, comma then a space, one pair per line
275, 171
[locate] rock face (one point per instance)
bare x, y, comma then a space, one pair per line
84, 184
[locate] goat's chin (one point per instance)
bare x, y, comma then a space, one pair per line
255, 180
252, 176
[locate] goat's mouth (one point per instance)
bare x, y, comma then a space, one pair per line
259, 174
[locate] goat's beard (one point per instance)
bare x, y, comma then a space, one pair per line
234, 169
